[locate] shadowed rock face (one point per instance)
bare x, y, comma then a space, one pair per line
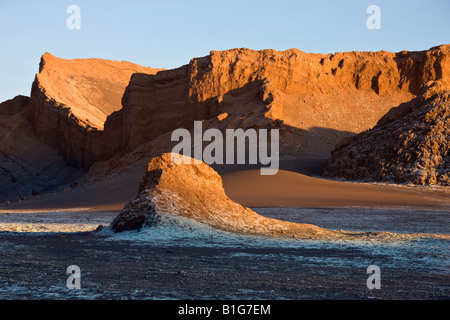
28, 166
410, 144
13, 106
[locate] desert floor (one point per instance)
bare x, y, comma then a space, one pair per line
41, 237
295, 185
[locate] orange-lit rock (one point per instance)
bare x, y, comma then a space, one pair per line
174, 187
315, 99
71, 100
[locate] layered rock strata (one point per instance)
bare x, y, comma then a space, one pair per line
315, 99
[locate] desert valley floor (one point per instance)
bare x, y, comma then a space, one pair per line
191, 261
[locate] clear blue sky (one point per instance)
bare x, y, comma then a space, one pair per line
168, 33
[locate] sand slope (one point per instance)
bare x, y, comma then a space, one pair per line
249, 188
287, 188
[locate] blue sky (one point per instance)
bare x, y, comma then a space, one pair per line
168, 33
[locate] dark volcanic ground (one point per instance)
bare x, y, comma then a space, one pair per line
183, 262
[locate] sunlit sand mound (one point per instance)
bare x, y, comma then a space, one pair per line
175, 187
293, 189
171, 187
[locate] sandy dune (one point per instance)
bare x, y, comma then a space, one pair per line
294, 189
294, 185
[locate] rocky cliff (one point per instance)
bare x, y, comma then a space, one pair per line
71, 99
316, 100
28, 166
410, 144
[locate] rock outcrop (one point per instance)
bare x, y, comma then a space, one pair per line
174, 187
14, 105
94, 110
409, 145
314, 99
71, 100
48, 139
28, 166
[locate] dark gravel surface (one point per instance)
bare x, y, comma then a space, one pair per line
34, 267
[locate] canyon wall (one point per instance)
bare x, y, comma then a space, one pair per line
28, 166
411, 143
315, 99
71, 99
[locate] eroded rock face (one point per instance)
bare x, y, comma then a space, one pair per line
71, 100
410, 144
175, 187
14, 105
175, 191
91, 88
27, 165
317, 99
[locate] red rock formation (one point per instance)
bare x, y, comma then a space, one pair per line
174, 189
13, 106
410, 144
315, 100
26, 163
71, 100
91, 110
